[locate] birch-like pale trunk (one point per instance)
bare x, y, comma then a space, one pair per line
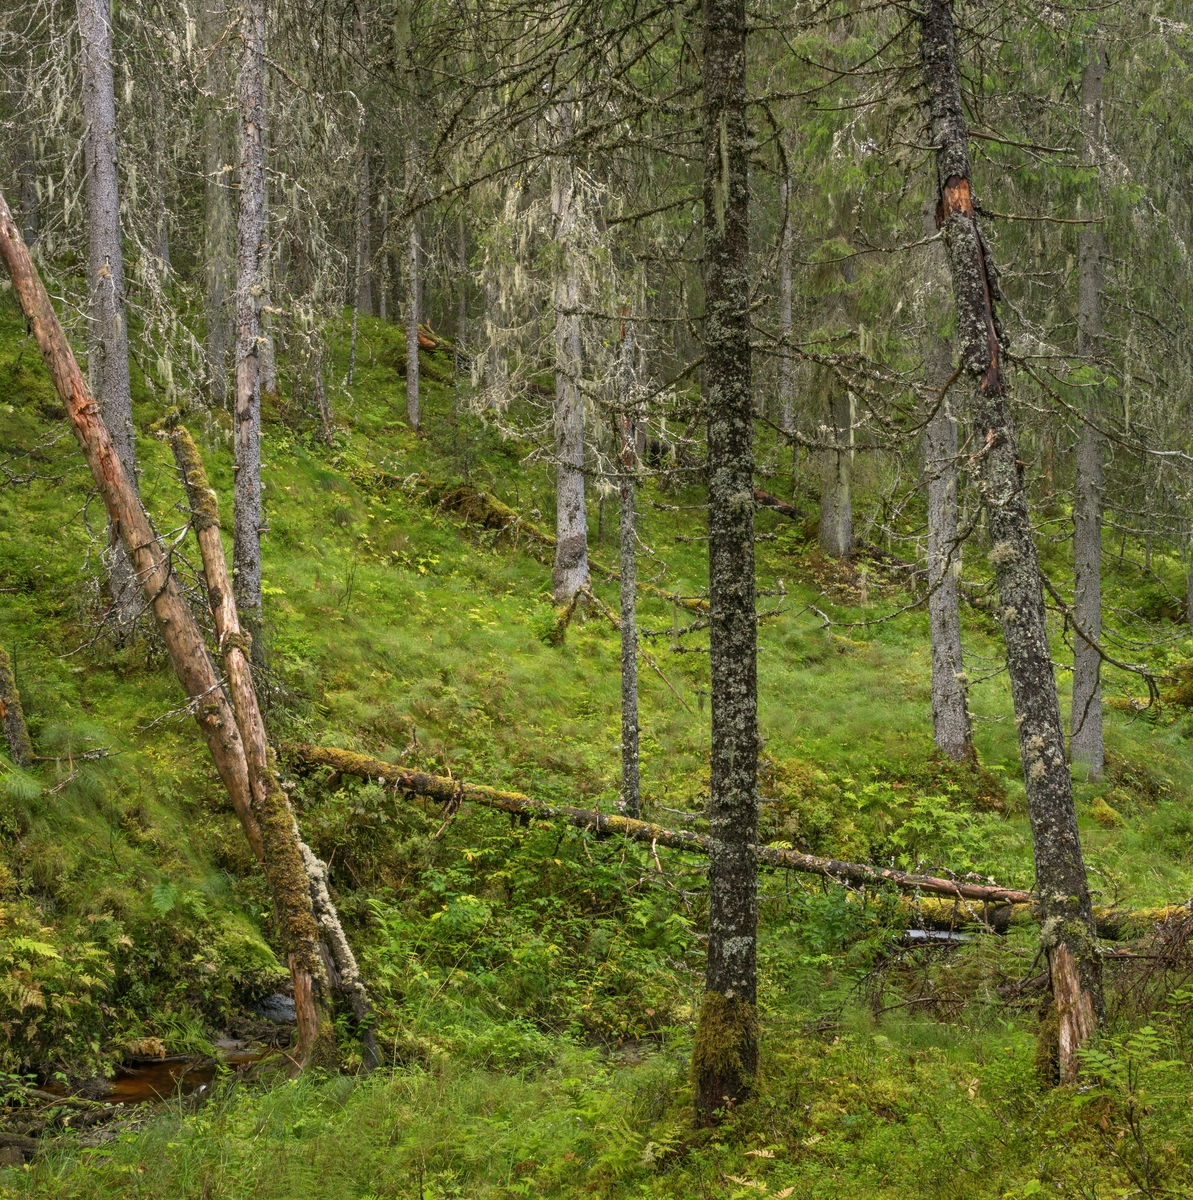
251, 249
631, 797
836, 483
107, 325
219, 261
1085, 723
1067, 931
950, 714
570, 572
725, 1050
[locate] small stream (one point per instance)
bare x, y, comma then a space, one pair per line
167, 1078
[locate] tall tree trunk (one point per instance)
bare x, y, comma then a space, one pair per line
950, 715
269, 356
412, 297
786, 361
383, 288
364, 239
250, 255
20, 748
218, 235
570, 573
836, 488
631, 800
1067, 934
27, 183
725, 1052
461, 299
107, 326
1085, 724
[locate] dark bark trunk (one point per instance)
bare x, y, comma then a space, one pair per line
27, 182
107, 325
786, 361
950, 715
1085, 724
570, 573
836, 494
413, 315
20, 748
630, 787
725, 1053
364, 239
1068, 928
250, 254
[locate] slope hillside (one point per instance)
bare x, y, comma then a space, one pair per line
536, 984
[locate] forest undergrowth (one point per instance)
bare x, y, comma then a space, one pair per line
536, 985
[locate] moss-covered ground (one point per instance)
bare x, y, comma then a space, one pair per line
536, 986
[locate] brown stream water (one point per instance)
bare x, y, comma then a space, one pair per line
153, 1080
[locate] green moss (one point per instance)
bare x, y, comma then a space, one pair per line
724, 1052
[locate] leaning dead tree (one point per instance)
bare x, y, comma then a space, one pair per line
265, 813
1067, 933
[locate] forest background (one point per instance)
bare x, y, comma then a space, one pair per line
446, 295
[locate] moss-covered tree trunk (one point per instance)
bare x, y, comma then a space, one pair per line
725, 1053
1067, 932
1085, 723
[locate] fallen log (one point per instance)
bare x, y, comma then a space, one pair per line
766, 500
455, 791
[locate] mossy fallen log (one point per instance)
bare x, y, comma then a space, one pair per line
455, 791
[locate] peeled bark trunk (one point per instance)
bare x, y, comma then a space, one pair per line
570, 573
107, 326
786, 361
1085, 724
20, 748
631, 800
836, 495
218, 237
725, 1052
950, 715
297, 878
174, 619
412, 307
1068, 927
250, 254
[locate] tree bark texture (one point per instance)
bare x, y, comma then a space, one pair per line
364, 239
27, 183
836, 491
950, 715
725, 1053
570, 573
20, 748
1085, 723
173, 616
219, 228
786, 361
250, 256
298, 880
630, 785
1067, 932
107, 326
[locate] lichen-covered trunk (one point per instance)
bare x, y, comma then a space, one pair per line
950, 715
219, 262
107, 326
364, 239
1085, 722
298, 880
175, 622
630, 788
20, 748
570, 572
836, 483
1067, 932
250, 255
725, 1052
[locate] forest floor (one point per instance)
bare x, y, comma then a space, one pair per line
535, 985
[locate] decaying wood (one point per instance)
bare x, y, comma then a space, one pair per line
766, 500
16, 734
297, 878
151, 566
454, 791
